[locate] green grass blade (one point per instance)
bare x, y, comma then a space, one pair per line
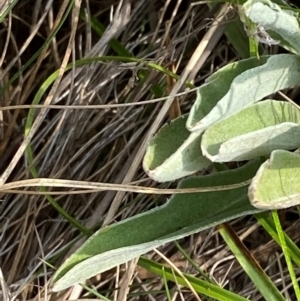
65, 214
7, 10
31, 114
286, 253
165, 279
29, 122
95, 293
268, 224
192, 263
99, 29
263, 283
31, 60
200, 286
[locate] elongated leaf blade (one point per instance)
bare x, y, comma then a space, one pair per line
183, 215
204, 287
260, 279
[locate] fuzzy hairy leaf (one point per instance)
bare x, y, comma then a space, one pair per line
215, 88
183, 215
174, 152
276, 184
253, 132
270, 17
276, 72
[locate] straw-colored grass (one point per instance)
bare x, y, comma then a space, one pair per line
105, 144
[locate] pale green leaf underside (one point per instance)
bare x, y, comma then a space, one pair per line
216, 86
183, 215
279, 72
174, 152
253, 132
272, 17
276, 184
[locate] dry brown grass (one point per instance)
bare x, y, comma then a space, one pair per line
98, 145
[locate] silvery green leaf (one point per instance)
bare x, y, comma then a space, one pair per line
276, 184
269, 16
278, 72
253, 132
183, 215
174, 152
215, 88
